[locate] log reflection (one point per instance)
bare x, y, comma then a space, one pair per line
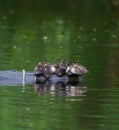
60, 89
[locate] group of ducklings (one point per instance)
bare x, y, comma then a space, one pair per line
60, 69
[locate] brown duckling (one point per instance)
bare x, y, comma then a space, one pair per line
76, 69
39, 69
55, 69
47, 70
63, 64
59, 71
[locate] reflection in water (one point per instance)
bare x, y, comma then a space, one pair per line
60, 89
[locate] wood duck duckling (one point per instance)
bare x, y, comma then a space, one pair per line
63, 64
59, 71
44, 69
61, 68
47, 70
76, 69
39, 69
55, 69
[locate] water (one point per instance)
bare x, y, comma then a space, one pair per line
38, 31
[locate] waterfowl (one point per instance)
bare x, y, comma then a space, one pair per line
61, 68
47, 70
39, 69
63, 64
60, 72
44, 69
79, 69
76, 69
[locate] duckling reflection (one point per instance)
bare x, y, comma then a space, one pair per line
60, 89
42, 88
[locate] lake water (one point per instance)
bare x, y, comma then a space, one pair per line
38, 31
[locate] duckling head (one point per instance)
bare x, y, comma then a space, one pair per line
63, 64
38, 69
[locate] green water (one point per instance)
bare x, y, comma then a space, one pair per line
87, 33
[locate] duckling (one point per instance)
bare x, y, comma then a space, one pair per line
63, 64
47, 70
79, 70
69, 68
61, 67
60, 72
55, 69
76, 69
39, 69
